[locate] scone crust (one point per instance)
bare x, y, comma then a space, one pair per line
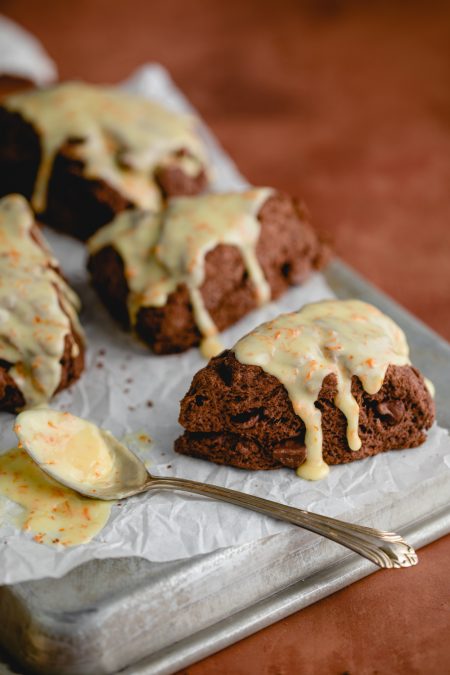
288, 251
239, 415
76, 204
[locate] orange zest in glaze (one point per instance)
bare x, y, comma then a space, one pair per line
49, 509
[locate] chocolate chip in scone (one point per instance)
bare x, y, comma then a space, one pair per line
391, 411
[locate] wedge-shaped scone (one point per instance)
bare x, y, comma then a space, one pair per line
329, 384
41, 340
180, 277
83, 153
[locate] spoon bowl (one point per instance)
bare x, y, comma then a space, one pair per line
94, 463
80, 455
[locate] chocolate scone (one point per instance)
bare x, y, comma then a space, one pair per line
179, 277
83, 153
41, 340
329, 384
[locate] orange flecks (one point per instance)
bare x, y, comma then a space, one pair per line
49, 509
313, 367
14, 254
333, 348
370, 363
67, 507
57, 492
20, 369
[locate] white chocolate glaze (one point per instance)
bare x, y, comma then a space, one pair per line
430, 386
76, 450
119, 137
52, 513
37, 307
162, 251
342, 337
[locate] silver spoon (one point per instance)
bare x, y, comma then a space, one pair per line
127, 476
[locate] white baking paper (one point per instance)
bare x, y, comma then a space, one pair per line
122, 377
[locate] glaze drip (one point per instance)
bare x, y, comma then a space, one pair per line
162, 251
119, 137
37, 307
340, 337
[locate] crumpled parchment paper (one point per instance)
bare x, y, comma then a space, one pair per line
122, 377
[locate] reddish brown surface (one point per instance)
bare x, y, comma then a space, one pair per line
348, 105
392, 623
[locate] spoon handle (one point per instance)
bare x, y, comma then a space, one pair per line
385, 549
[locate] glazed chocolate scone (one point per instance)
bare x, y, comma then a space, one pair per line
41, 340
179, 277
329, 384
83, 153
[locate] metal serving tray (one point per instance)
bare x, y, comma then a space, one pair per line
108, 614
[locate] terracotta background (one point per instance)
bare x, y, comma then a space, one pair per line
348, 105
